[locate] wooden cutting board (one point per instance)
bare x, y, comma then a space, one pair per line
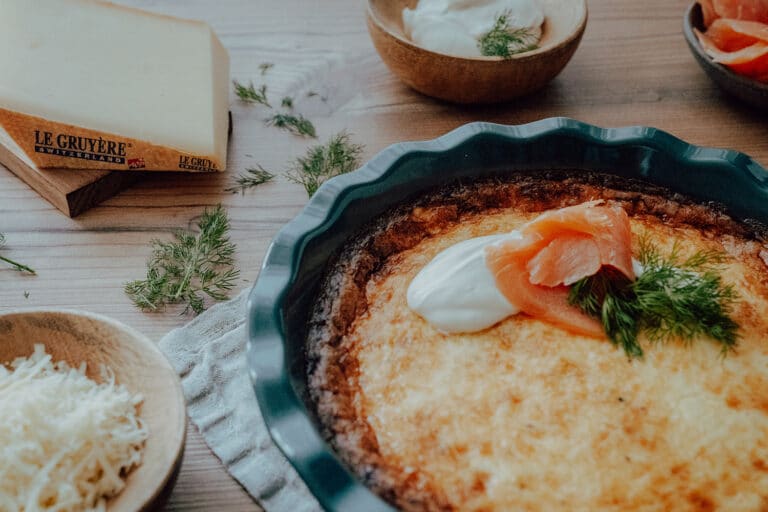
71, 191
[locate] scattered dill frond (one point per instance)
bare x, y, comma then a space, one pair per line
190, 268
251, 178
673, 298
26, 294
265, 66
287, 102
322, 162
504, 41
14, 264
250, 94
297, 125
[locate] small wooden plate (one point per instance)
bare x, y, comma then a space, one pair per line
75, 337
480, 79
744, 88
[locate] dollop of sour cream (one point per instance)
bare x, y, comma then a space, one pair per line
454, 27
456, 291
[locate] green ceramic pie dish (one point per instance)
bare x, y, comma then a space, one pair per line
283, 296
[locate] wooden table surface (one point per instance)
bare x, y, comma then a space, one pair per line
632, 68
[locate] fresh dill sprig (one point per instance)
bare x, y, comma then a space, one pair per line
322, 162
14, 264
608, 296
297, 125
250, 94
190, 268
265, 66
504, 41
287, 102
686, 298
251, 178
673, 298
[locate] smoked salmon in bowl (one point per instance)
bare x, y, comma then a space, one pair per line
549, 316
729, 40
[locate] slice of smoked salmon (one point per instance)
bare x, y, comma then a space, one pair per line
543, 302
557, 249
708, 10
750, 10
565, 260
607, 227
751, 61
732, 35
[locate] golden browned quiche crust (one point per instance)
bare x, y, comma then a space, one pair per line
420, 464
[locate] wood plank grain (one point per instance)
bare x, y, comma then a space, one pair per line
632, 68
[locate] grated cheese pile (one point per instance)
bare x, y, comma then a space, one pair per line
65, 441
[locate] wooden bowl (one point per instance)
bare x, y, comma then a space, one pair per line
744, 88
480, 79
137, 363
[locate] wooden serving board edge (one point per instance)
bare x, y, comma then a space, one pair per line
70, 191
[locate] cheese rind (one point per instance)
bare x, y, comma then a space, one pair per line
88, 84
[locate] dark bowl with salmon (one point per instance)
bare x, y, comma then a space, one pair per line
746, 87
313, 281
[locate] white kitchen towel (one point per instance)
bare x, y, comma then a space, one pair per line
209, 355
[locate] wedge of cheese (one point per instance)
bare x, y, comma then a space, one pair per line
91, 85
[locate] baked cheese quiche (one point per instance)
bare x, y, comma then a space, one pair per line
558, 341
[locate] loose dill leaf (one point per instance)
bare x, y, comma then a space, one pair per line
287, 102
250, 94
251, 178
14, 264
297, 125
265, 66
190, 268
322, 162
673, 298
26, 294
504, 41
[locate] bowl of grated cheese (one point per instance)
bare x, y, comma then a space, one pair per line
93, 415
